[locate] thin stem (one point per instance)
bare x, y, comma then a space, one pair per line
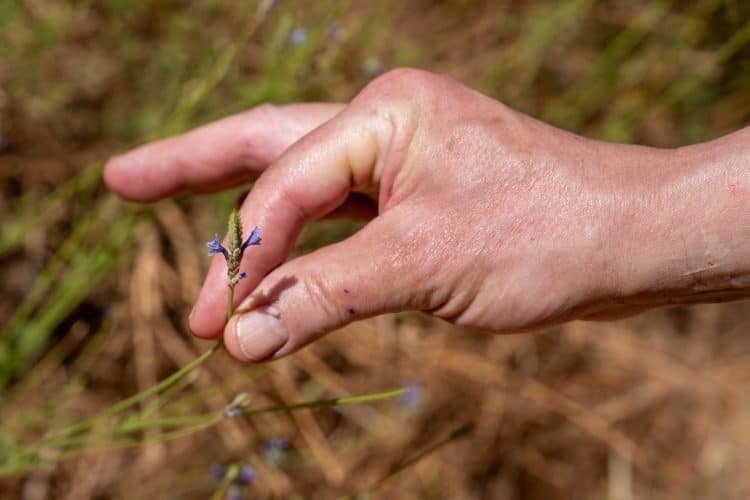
137, 398
155, 389
459, 433
195, 423
349, 400
192, 419
230, 302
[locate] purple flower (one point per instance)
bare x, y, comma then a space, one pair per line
334, 31
218, 472
234, 493
298, 36
277, 443
247, 475
274, 449
236, 247
231, 412
373, 67
412, 397
215, 247
253, 239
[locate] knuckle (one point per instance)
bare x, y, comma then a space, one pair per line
264, 111
250, 150
404, 83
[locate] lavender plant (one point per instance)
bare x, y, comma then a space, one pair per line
232, 479
233, 254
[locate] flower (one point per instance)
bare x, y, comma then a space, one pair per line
234, 493
246, 475
277, 443
298, 36
235, 248
253, 239
231, 412
218, 472
334, 31
274, 449
215, 247
373, 67
412, 396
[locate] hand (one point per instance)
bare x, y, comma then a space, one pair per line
484, 216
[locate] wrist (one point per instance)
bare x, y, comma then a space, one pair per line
682, 231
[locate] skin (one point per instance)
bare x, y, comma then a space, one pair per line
478, 214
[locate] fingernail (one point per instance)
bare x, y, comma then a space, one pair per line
261, 333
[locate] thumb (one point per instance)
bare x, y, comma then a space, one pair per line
370, 273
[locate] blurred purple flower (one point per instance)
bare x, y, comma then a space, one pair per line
373, 67
234, 492
218, 472
277, 443
334, 31
274, 449
298, 36
412, 397
231, 412
246, 475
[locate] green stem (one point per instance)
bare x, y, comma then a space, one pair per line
230, 302
194, 423
192, 419
137, 398
151, 391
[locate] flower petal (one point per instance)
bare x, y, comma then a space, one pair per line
253, 239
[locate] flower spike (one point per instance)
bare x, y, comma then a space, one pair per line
235, 247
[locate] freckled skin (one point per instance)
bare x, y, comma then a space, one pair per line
482, 215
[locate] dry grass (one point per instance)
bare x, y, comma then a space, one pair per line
650, 407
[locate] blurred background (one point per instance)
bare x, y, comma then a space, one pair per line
95, 293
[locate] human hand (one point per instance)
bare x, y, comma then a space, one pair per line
484, 216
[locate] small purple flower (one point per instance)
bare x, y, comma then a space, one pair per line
235, 247
412, 397
234, 493
231, 412
277, 443
298, 36
334, 31
218, 472
253, 239
373, 67
215, 247
274, 449
246, 475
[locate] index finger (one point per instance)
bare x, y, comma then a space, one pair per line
218, 155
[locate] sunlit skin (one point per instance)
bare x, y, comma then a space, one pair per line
477, 214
